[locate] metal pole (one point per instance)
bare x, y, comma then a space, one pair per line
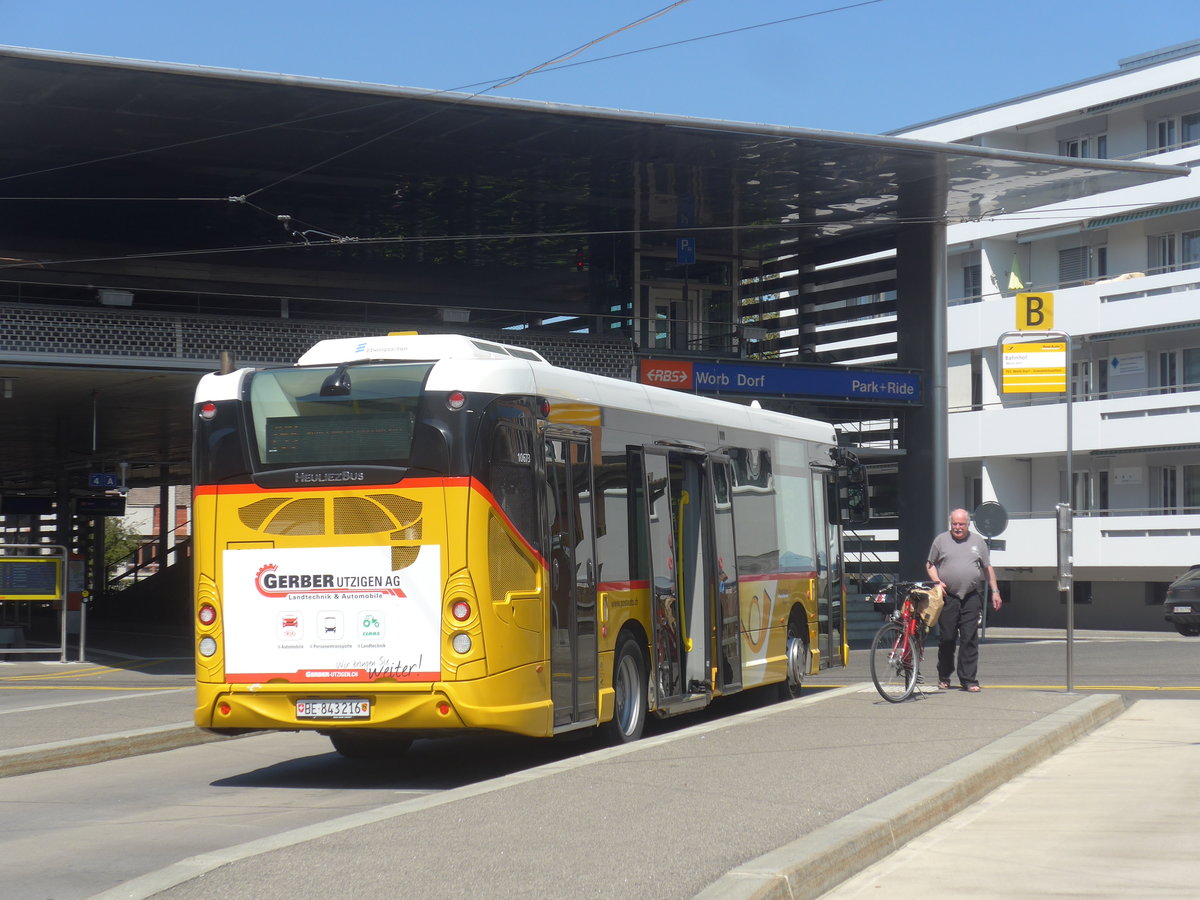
83, 605
1071, 525
64, 591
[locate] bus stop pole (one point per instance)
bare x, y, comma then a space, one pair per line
1066, 574
63, 593
83, 605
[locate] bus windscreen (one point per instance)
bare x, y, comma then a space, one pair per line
370, 418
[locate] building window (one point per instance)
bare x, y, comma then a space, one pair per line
973, 281
1179, 370
1156, 592
1189, 249
1160, 253
1088, 146
1190, 128
1191, 489
1081, 593
976, 381
1164, 482
1073, 265
1164, 135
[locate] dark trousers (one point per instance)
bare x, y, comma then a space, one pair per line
959, 624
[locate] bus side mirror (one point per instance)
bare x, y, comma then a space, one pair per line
854, 496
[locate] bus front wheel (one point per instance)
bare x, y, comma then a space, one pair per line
629, 686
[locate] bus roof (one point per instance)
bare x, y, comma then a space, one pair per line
410, 345
476, 366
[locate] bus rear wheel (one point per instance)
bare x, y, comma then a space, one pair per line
369, 744
629, 686
797, 662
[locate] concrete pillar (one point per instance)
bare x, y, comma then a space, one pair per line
922, 344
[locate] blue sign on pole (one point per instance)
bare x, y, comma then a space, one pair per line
685, 251
102, 480
889, 388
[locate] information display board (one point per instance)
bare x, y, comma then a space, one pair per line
30, 578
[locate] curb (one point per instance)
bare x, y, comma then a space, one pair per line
85, 751
817, 862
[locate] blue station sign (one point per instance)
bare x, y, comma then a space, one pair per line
876, 385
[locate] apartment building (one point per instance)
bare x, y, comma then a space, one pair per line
1124, 271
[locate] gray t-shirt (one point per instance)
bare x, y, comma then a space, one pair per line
960, 564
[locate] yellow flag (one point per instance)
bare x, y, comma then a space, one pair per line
1014, 275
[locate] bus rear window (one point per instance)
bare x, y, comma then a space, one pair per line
367, 413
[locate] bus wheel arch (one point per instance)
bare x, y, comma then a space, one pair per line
630, 687
798, 658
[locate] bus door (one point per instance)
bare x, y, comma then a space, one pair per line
682, 574
830, 613
572, 564
725, 586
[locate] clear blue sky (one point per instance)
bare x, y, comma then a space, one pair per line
848, 65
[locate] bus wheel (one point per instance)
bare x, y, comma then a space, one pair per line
369, 744
797, 663
629, 685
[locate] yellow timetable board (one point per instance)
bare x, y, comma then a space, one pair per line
1034, 368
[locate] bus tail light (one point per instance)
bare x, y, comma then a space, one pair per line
456, 400
207, 614
208, 410
208, 647
461, 610
461, 642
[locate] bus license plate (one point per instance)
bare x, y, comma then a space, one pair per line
1182, 609
333, 709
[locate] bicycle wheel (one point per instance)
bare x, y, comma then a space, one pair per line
893, 663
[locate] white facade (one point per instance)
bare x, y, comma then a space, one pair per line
1124, 270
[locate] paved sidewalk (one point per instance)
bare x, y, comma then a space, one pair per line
1112, 815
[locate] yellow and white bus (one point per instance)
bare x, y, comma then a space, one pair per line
409, 535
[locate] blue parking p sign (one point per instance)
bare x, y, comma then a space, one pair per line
685, 251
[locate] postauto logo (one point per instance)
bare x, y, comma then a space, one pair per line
668, 373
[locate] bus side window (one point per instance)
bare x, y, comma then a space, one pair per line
510, 479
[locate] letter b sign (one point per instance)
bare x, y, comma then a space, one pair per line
1035, 312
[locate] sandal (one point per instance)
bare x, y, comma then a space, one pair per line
973, 688
943, 685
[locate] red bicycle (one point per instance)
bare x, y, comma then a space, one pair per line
899, 644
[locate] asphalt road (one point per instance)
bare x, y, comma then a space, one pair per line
75, 832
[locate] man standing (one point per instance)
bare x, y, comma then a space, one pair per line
956, 560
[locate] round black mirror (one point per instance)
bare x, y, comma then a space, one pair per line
990, 518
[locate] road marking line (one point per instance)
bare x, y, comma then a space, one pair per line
143, 693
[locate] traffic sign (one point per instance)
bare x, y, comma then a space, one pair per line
1034, 368
990, 518
685, 251
104, 480
1035, 312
